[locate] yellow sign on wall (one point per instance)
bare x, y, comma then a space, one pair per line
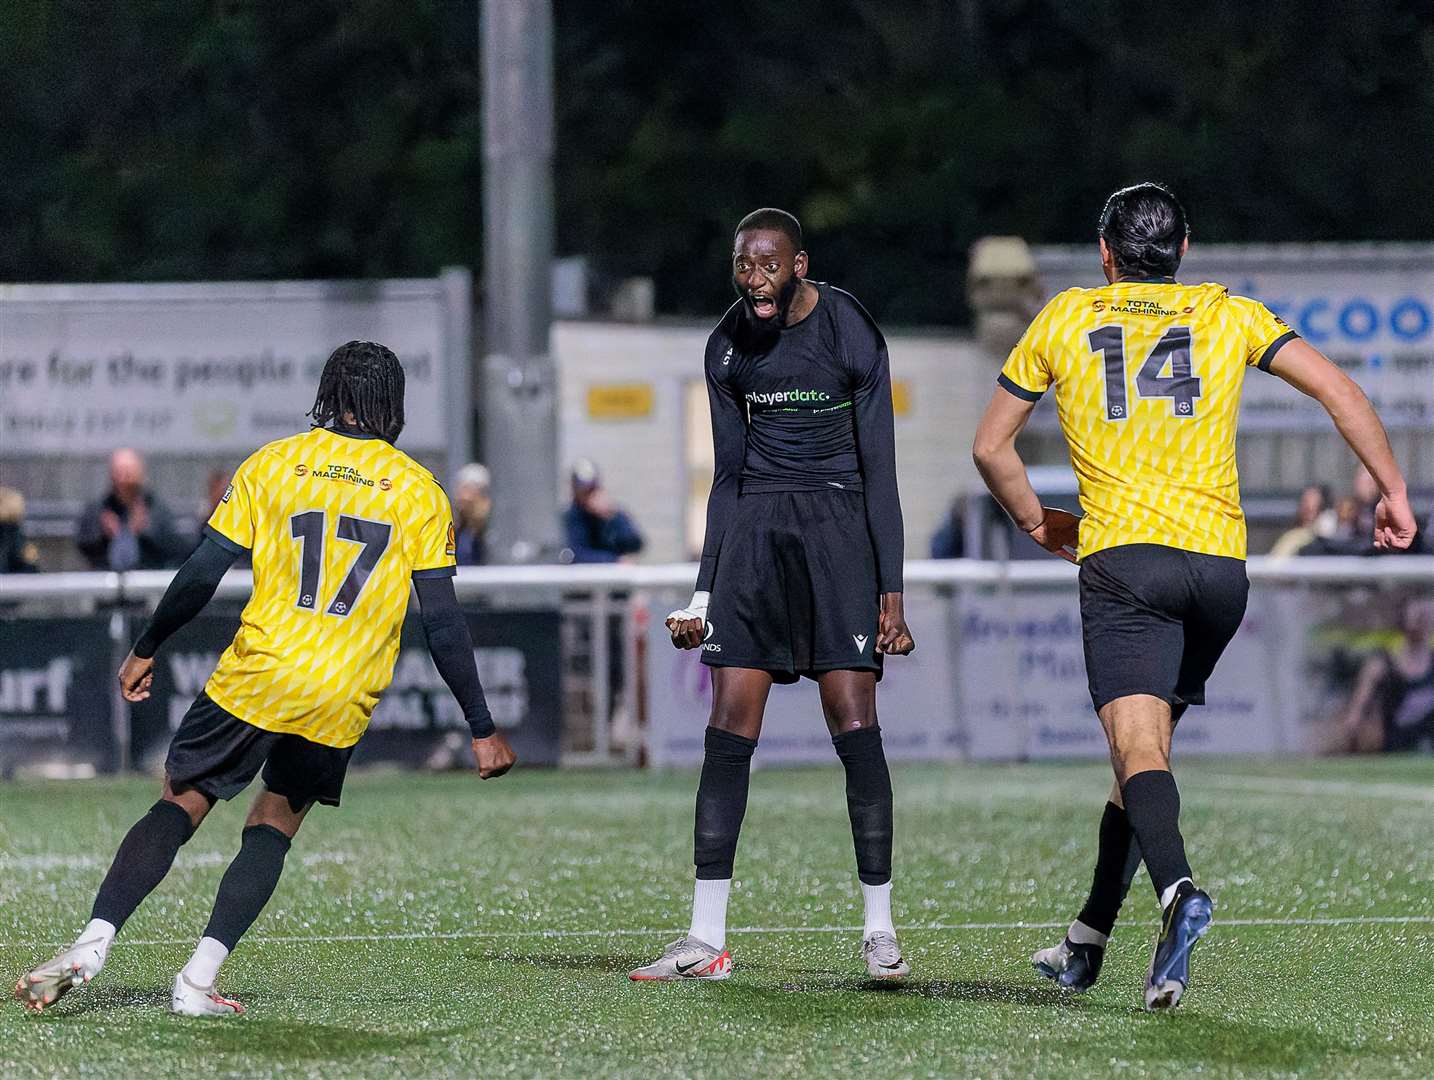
620, 401
901, 397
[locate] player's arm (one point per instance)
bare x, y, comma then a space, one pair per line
1000, 465
451, 647
1306, 369
876, 454
192, 587
729, 449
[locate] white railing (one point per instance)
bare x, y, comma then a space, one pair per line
471, 581
597, 592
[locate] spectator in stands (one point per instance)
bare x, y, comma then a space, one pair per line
594, 529
1314, 517
17, 554
472, 507
949, 541
216, 486
1354, 530
130, 528
1392, 707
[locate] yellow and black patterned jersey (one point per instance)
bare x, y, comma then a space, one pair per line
1148, 377
337, 525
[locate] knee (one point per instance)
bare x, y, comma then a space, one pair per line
850, 714
735, 720
1138, 753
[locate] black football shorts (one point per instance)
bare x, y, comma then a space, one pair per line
796, 590
1156, 619
219, 755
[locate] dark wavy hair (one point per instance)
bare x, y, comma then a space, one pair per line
1144, 226
363, 379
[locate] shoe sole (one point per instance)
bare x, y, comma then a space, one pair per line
634, 977
1192, 926
887, 976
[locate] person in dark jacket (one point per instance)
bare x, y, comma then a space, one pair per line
594, 529
130, 528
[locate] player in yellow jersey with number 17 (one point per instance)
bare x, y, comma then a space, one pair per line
1147, 374
338, 522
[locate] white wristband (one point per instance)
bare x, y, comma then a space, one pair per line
696, 608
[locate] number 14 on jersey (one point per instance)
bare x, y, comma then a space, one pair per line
1181, 386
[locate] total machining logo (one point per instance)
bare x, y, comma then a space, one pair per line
786, 397
347, 473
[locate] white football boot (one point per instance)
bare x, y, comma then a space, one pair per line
40, 988
186, 999
686, 958
883, 956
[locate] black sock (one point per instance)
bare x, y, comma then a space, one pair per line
144, 857
247, 884
1153, 804
868, 801
1116, 861
721, 802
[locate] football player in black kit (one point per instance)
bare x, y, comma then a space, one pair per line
801, 567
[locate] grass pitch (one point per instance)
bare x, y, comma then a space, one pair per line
436, 926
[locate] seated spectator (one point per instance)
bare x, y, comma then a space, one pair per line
594, 529
472, 507
1314, 517
17, 555
130, 528
1392, 707
949, 541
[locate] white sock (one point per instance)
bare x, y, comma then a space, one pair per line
1169, 894
877, 900
1081, 934
203, 966
709, 911
101, 935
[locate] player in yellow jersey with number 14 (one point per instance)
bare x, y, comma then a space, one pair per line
1147, 374
338, 522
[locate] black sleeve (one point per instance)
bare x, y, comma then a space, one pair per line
452, 649
194, 583
876, 445
729, 450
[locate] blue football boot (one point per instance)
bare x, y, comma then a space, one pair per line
1185, 922
1070, 966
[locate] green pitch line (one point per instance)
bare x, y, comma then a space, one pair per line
443, 927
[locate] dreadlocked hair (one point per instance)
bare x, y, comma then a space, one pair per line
365, 380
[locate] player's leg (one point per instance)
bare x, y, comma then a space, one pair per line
1075, 963
212, 756
143, 859
246, 887
297, 774
849, 706
739, 697
1138, 728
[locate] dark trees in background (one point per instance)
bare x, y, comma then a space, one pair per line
210, 140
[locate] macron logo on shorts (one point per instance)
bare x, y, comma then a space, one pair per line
861, 640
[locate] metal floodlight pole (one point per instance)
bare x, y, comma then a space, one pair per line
518, 381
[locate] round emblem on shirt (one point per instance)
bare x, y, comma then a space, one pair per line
385, 484
1099, 305
299, 470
